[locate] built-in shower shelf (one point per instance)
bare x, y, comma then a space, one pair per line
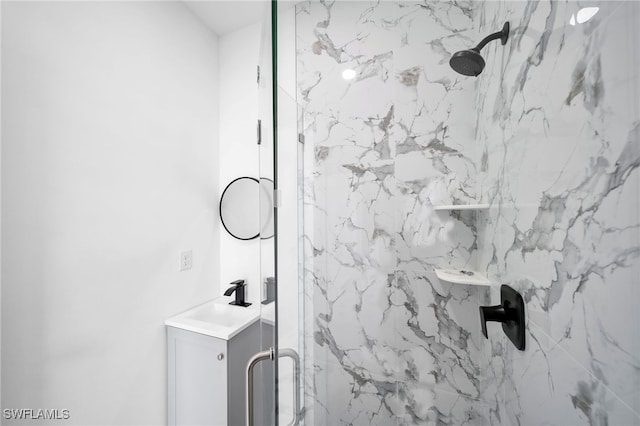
462, 207
458, 276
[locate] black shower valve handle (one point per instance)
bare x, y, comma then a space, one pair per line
510, 313
491, 313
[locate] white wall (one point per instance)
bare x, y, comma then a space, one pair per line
239, 52
109, 168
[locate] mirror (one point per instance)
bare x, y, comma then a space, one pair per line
240, 208
244, 202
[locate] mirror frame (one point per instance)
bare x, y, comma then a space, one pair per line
220, 208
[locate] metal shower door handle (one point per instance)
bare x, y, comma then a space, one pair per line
290, 353
253, 361
270, 354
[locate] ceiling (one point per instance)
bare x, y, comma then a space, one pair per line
226, 16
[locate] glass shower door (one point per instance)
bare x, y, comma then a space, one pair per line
262, 369
280, 391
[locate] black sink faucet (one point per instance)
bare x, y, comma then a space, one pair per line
237, 286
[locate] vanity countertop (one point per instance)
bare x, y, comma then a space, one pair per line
216, 318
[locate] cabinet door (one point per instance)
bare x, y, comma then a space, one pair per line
197, 379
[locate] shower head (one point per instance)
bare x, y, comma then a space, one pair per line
470, 62
467, 62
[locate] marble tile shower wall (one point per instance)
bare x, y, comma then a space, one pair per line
386, 342
559, 129
548, 134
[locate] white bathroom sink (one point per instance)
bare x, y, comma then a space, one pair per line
216, 318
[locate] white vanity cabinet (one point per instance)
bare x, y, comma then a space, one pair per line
206, 376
